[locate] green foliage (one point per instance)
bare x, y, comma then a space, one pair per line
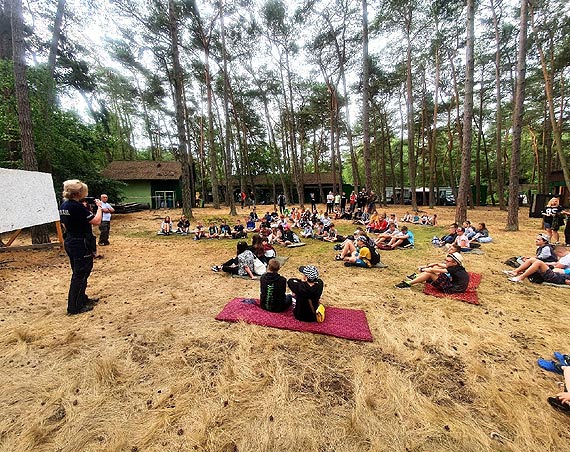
65, 146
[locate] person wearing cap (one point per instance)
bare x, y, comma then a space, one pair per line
307, 292
544, 250
453, 278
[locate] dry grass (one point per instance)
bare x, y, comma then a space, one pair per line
151, 370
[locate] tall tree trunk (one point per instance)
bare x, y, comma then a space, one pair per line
227, 162
366, 98
513, 207
410, 110
178, 80
433, 141
39, 233
498, 112
211, 145
479, 138
465, 179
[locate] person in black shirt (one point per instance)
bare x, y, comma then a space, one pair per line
307, 291
80, 243
453, 278
273, 286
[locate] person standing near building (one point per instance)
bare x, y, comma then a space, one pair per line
105, 226
313, 202
330, 202
281, 202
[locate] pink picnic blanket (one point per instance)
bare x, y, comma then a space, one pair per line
469, 296
339, 322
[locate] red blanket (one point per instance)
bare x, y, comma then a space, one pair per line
469, 296
339, 322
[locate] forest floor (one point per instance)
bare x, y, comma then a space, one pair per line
151, 370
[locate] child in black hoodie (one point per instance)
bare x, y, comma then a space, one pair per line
273, 287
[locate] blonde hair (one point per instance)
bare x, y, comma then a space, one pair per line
74, 189
552, 201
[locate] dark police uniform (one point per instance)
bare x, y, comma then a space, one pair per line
80, 247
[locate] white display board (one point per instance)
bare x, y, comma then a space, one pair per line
27, 199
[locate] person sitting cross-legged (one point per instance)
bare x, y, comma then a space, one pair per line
225, 230
183, 225
199, 231
213, 232
451, 279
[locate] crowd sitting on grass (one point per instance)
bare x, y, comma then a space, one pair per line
424, 219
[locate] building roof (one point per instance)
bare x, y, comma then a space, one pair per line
142, 170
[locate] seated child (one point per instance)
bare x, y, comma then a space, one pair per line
447, 238
307, 293
239, 231
250, 225
183, 225
272, 289
225, 230
307, 231
199, 231
462, 241
453, 278
362, 256
166, 226
213, 232
405, 239
331, 235
387, 235
480, 234
553, 272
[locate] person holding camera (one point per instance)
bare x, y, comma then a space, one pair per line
80, 243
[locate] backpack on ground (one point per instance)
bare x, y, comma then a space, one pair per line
374, 256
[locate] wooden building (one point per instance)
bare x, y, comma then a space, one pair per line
149, 182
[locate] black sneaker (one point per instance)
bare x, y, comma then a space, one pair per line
412, 276
555, 402
84, 308
402, 285
215, 268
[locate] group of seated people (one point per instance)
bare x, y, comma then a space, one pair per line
423, 219
466, 236
550, 264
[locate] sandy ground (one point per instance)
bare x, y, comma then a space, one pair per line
150, 368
